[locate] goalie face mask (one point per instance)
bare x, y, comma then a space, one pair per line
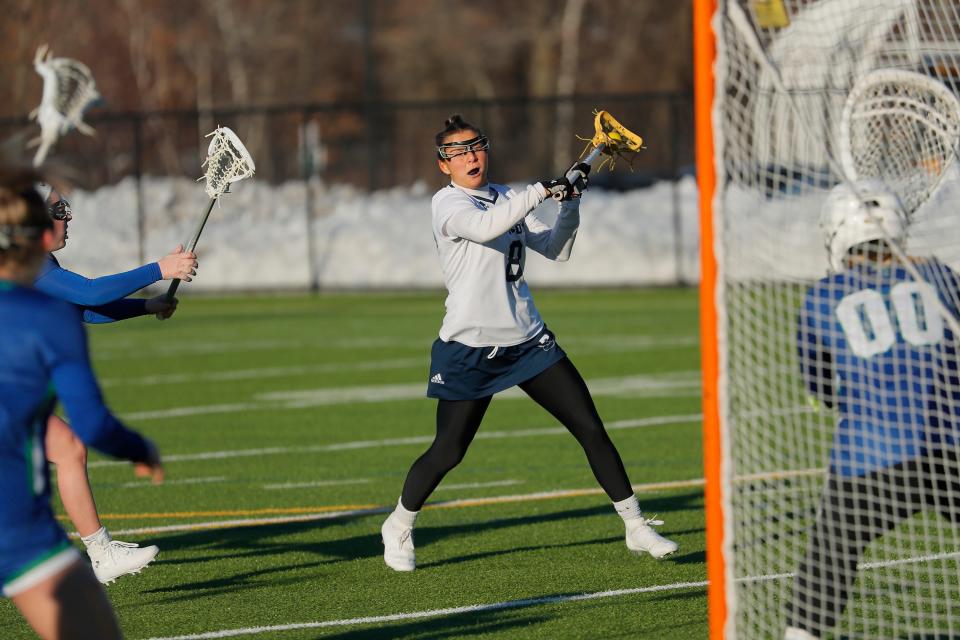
866, 212
451, 150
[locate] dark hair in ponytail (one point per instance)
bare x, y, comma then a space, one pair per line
455, 124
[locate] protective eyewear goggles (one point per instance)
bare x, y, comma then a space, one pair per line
60, 210
451, 150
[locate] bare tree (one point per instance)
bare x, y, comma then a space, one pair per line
567, 77
150, 83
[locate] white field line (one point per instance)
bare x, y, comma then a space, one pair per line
608, 343
623, 343
478, 485
264, 372
400, 442
681, 384
433, 613
599, 386
864, 566
148, 483
120, 351
316, 483
630, 343
498, 606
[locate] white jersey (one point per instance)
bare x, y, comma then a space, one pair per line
481, 238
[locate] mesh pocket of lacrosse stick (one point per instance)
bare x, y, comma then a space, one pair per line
69, 90
902, 128
76, 92
614, 140
228, 161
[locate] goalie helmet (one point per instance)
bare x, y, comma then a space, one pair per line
860, 213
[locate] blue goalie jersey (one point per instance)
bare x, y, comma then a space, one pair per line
874, 344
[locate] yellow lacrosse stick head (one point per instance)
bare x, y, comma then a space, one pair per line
617, 140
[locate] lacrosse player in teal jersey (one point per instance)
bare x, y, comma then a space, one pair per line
100, 300
492, 337
44, 359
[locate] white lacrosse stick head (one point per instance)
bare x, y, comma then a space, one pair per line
227, 161
902, 128
69, 90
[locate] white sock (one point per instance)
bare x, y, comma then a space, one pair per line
629, 510
100, 537
403, 516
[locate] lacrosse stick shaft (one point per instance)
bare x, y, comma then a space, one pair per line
575, 174
193, 245
597, 150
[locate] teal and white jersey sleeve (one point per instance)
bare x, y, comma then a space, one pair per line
481, 238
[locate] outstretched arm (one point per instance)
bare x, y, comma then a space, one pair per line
556, 242
457, 217
92, 292
118, 310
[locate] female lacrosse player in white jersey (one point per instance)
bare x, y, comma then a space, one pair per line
493, 338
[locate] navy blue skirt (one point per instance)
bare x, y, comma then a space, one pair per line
459, 372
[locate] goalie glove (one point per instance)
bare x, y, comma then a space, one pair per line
568, 186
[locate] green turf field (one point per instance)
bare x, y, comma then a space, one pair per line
288, 424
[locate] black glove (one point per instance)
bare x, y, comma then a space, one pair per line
568, 186
577, 175
558, 188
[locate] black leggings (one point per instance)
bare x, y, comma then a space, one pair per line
854, 511
561, 391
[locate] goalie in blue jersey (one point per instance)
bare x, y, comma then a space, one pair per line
875, 345
100, 300
44, 358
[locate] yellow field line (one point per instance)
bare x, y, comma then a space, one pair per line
352, 510
356, 509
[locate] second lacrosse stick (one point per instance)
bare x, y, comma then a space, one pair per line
902, 128
228, 161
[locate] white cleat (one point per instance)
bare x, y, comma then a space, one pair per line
796, 633
642, 538
117, 559
398, 550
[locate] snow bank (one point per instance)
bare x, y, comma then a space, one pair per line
257, 238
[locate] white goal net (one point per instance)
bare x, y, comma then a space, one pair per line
839, 392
